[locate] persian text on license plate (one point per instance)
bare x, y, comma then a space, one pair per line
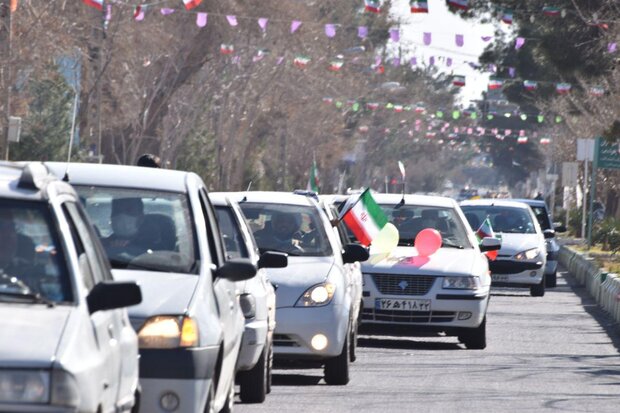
499, 277
402, 305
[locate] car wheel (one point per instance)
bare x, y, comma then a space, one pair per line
538, 290
551, 280
270, 367
475, 338
353, 343
337, 368
253, 383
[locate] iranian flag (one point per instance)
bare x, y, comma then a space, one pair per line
373, 6
597, 91
495, 84
372, 105
313, 179
419, 6
365, 218
486, 230
458, 81
563, 88
459, 4
227, 49
530, 85
190, 4
507, 17
335, 65
551, 11
98, 4
301, 61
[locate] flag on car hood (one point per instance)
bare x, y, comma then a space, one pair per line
365, 218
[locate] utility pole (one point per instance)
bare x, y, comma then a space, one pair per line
5, 43
95, 55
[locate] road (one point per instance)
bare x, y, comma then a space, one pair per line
559, 352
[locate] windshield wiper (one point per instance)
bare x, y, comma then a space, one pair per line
451, 245
404, 242
33, 297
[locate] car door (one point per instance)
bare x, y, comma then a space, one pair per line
106, 324
225, 291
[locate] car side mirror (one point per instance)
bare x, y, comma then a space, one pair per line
549, 233
490, 244
236, 269
113, 294
559, 227
273, 259
353, 253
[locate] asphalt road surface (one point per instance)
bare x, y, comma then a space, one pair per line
559, 352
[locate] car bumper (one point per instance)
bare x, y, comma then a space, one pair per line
448, 309
252, 344
508, 272
35, 408
296, 326
185, 372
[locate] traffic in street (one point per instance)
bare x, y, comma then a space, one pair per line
555, 353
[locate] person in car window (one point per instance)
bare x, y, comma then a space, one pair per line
14, 265
126, 218
283, 234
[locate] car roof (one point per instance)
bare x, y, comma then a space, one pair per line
415, 199
123, 176
494, 202
532, 202
220, 198
30, 181
272, 197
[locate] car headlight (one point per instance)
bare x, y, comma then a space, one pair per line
247, 302
65, 391
168, 332
461, 283
527, 255
318, 295
24, 386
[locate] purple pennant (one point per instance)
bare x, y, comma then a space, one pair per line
362, 32
232, 20
449, 61
486, 38
512, 71
138, 14
108, 13
396, 61
519, 43
395, 35
262, 23
295, 25
413, 61
378, 61
460, 40
166, 11
427, 38
612, 47
280, 60
431, 61
201, 19
330, 30
492, 68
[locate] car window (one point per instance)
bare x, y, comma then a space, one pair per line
231, 234
294, 229
411, 219
542, 217
143, 229
508, 220
32, 260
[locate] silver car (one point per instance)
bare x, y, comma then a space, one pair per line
257, 297
159, 228
66, 344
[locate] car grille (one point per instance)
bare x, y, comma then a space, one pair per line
284, 340
371, 314
403, 284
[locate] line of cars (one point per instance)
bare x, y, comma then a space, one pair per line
215, 287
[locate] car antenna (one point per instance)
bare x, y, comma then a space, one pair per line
401, 166
245, 197
65, 178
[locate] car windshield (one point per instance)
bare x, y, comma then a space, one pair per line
411, 219
508, 220
295, 229
542, 217
231, 234
143, 229
32, 264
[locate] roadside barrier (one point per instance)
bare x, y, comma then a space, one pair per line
602, 286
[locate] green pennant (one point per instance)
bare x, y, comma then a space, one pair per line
523, 116
490, 117
473, 115
540, 118
356, 107
439, 114
456, 114
558, 119
389, 105
339, 104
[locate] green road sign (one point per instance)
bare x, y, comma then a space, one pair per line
608, 154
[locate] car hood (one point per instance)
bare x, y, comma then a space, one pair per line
514, 243
162, 292
30, 334
300, 274
405, 260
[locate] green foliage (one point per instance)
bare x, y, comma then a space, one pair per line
47, 125
607, 233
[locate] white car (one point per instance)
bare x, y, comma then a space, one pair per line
448, 291
522, 258
158, 227
63, 332
315, 311
257, 297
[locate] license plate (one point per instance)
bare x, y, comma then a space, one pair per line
499, 277
402, 305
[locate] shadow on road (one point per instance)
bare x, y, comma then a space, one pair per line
295, 380
407, 343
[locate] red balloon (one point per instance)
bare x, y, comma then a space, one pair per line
427, 242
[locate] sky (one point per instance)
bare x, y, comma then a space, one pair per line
444, 26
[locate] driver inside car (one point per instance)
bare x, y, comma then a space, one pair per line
13, 266
126, 218
283, 235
